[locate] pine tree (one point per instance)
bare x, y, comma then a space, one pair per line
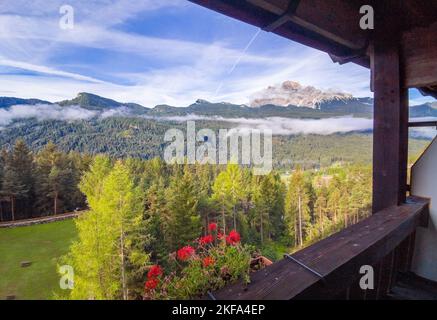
18, 183
228, 192
221, 196
3, 159
184, 222
56, 180
297, 207
321, 207
158, 216
109, 257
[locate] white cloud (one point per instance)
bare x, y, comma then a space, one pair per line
286, 126
188, 70
44, 112
45, 70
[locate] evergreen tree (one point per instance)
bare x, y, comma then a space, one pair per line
158, 216
297, 207
3, 159
56, 180
321, 208
228, 192
114, 232
18, 181
184, 223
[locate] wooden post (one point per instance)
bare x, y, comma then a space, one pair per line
390, 135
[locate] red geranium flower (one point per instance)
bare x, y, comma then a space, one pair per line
205, 240
233, 237
151, 284
212, 226
155, 271
208, 261
185, 253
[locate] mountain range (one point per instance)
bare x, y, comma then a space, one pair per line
120, 129
329, 106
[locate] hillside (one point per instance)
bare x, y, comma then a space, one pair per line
94, 102
333, 107
93, 124
6, 102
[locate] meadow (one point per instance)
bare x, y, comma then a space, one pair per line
42, 245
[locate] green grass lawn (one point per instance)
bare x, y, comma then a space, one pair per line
42, 245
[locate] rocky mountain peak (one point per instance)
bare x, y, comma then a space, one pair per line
293, 93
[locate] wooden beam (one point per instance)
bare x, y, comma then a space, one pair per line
419, 49
421, 124
305, 32
390, 132
335, 20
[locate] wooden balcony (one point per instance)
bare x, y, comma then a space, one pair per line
330, 269
400, 52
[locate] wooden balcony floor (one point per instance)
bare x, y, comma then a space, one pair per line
409, 286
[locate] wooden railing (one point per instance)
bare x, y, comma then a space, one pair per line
331, 267
420, 124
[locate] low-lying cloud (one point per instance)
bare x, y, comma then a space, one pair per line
287, 126
278, 125
424, 132
44, 112
55, 112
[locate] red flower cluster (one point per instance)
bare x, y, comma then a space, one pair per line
185, 253
208, 261
155, 271
151, 283
212, 227
233, 238
153, 274
206, 240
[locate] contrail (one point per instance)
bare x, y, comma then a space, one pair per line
238, 60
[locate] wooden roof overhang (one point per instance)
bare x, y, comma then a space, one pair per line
333, 27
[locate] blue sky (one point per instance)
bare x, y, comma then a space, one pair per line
154, 52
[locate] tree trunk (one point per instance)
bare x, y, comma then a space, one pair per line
235, 219
300, 222
123, 275
321, 221
13, 207
262, 230
207, 223
345, 219
296, 239
224, 219
55, 206
1, 211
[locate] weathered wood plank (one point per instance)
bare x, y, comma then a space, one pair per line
294, 30
338, 258
335, 20
419, 49
390, 130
